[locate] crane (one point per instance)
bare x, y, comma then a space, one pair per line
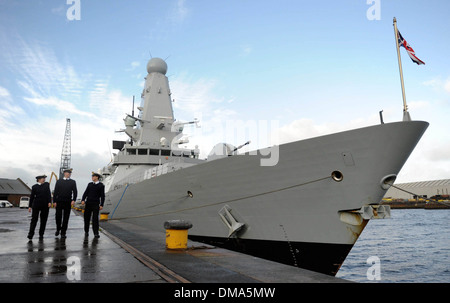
66, 151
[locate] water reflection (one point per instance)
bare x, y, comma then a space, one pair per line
49, 260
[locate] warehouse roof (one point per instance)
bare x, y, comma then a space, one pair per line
13, 187
425, 183
428, 188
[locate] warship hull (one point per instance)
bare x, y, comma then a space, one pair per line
291, 212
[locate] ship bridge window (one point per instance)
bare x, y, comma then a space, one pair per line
165, 152
176, 153
142, 151
154, 152
131, 151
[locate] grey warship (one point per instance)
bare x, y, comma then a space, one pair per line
306, 210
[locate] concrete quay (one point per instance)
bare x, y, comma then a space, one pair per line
126, 253
74, 259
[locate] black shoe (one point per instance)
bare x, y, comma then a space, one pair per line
41, 238
30, 236
57, 233
86, 235
63, 236
97, 236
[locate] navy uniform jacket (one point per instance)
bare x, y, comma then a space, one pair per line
40, 195
65, 191
94, 194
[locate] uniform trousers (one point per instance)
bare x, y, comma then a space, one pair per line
37, 212
62, 216
94, 211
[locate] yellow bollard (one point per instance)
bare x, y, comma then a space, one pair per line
177, 234
176, 239
104, 216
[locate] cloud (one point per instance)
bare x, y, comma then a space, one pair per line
246, 49
8, 111
447, 85
133, 66
50, 84
439, 153
33, 118
44, 80
307, 128
439, 84
110, 104
31, 147
179, 12
59, 11
41, 72
193, 96
428, 161
4, 92
60, 105
415, 106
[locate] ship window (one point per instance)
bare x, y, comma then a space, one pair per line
176, 153
131, 151
142, 151
154, 152
165, 152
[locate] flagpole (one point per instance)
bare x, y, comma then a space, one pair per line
406, 116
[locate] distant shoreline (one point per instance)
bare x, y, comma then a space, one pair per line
408, 204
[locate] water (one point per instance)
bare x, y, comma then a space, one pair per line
412, 246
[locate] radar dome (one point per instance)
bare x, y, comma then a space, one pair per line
157, 65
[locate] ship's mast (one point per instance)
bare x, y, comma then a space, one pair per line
156, 112
406, 116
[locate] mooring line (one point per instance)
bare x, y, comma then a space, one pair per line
119, 200
221, 202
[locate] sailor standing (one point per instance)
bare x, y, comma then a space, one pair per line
93, 199
40, 202
64, 195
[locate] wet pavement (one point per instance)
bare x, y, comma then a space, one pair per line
74, 259
202, 263
124, 253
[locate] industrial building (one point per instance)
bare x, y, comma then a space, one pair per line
12, 190
422, 188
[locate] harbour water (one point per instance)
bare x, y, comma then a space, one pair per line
412, 246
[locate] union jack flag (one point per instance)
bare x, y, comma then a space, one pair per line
409, 50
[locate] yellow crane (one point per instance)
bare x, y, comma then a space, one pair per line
51, 176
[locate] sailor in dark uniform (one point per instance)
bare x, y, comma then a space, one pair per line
64, 195
93, 200
40, 201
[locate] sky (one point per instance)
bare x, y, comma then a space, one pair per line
297, 68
